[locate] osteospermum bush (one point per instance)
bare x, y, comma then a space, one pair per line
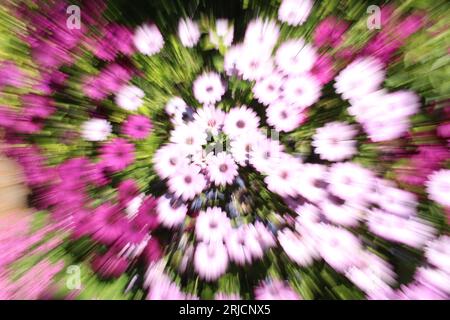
241, 150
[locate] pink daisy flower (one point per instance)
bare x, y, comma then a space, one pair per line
438, 252
189, 32
242, 246
261, 35
170, 213
148, 40
339, 248
241, 148
419, 291
308, 220
275, 290
106, 225
227, 296
414, 232
231, 58
350, 181
294, 12
208, 88
311, 183
212, 225
365, 108
189, 137
109, 265
187, 182
169, 159
210, 260
96, 129
434, 278
361, 77
381, 105
201, 157
130, 97
210, 119
283, 177
117, 154
133, 205
265, 154
323, 69
295, 57
222, 169
137, 127
268, 89
330, 32
385, 116
253, 64
11, 75
396, 201
240, 121
371, 273
284, 118
222, 34
164, 289
386, 129
438, 187
301, 91
299, 249
344, 214
400, 103
175, 108
262, 234
335, 141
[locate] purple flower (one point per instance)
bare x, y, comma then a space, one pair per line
110, 79
382, 46
133, 234
33, 164
116, 39
105, 225
50, 55
70, 193
51, 81
118, 154
98, 174
7, 117
93, 88
443, 130
153, 251
323, 69
75, 169
114, 76
127, 189
10, 75
428, 159
330, 32
137, 127
109, 265
147, 214
37, 106
409, 26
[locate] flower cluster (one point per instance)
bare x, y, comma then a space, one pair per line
267, 158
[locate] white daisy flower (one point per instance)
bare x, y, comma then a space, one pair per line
147, 39
130, 97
